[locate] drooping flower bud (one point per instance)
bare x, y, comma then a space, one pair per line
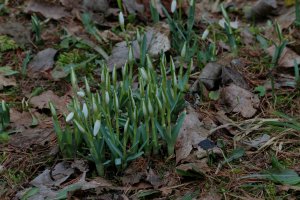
191, 2
85, 110
73, 79
144, 74
81, 93
173, 6
205, 34
95, 107
96, 127
70, 117
3, 106
121, 20
106, 97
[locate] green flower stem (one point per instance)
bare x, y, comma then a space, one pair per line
169, 132
171, 148
148, 148
154, 136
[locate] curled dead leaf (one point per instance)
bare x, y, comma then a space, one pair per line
237, 99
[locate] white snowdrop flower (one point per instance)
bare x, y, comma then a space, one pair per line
81, 93
205, 34
96, 127
3, 106
95, 108
70, 117
173, 6
106, 97
121, 19
191, 2
85, 110
73, 78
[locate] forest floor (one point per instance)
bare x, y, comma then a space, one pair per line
240, 138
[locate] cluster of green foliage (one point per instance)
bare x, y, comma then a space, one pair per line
7, 44
118, 123
70, 57
4, 121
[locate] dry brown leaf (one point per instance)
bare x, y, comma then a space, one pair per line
154, 179
7, 81
42, 101
210, 75
191, 133
96, 5
20, 121
287, 57
133, 7
72, 4
19, 31
157, 41
108, 35
32, 136
287, 19
237, 99
43, 61
48, 10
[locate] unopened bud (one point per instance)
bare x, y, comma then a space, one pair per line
70, 117
205, 34
173, 6
121, 20
96, 128
85, 110
144, 74
106, 97
81, 93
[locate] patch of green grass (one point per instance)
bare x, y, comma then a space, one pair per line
7, 44
14, 177
285, 101
69, 57
259, 64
